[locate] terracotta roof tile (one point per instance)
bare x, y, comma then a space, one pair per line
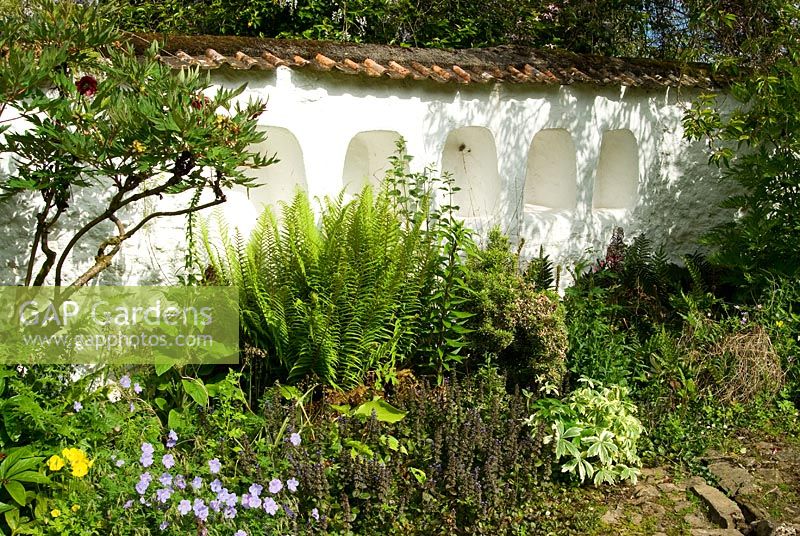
510, 64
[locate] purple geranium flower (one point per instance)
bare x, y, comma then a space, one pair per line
163, 495
270, 506
216, 485
240, 532
255, 489
275, 486
163, 525
200, 509
214, 466
197, 483
125, 381
229, 512
315, 514
168, 460
165, 479
137, 388
77, 406
294, 439
172, 439
184, 507
292, 484
180, 482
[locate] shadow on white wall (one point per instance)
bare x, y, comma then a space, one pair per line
278, 182
367, 159
617, 176
470, 156
551, 178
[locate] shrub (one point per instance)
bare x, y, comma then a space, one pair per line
514, 320
596, 429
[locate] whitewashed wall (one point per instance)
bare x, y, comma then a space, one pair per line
557, 166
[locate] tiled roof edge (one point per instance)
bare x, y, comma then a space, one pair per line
509, 63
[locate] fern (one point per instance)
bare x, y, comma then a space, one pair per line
332, 299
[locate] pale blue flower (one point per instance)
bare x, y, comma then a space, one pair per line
184, 507
172, 439
275, 486
214, 466
270, 506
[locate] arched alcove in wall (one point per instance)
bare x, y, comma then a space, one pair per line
278, 182
367, 159
470, 156
552, 177
616, 179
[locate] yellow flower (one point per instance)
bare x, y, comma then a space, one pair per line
55, 512
779, 323
80, 469
78, 460
55, 463
138, 147
75, 507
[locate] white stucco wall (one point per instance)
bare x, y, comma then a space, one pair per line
557, 166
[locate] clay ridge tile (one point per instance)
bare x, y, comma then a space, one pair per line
504, 63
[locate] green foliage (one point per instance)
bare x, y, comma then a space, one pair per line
444, 300
596, 429
102, 119
690, 29
756, 145
515, 321
336, 300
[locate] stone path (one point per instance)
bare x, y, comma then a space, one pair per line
753, 492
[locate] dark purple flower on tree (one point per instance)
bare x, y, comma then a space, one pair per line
87, 86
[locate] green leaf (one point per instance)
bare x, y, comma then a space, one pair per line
17, 491
194, 388
175, 419
163, 368
419, 474
384, 411
32, 477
